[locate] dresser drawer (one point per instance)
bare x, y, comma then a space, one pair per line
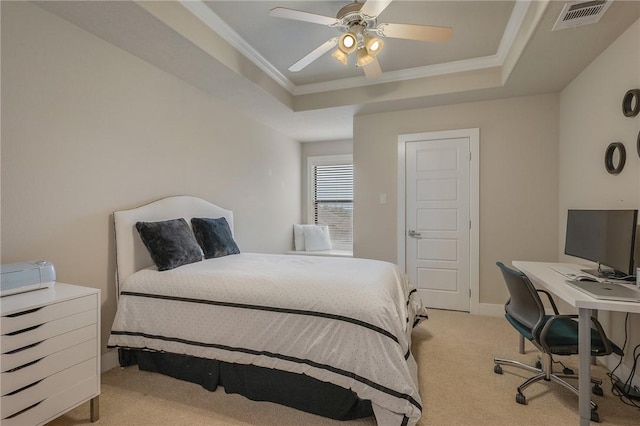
56, 404
29, 336
49, 353
11, 381
33, 317
52, 385
20, 357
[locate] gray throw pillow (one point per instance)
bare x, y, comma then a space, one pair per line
214, 236
170, 243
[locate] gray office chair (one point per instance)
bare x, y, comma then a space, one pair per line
551, 334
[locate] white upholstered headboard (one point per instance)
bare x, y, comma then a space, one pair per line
131, 254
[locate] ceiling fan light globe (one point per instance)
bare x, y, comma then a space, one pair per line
347, 43
340, 56
373, 45
363, 58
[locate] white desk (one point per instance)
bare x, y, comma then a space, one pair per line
542, 275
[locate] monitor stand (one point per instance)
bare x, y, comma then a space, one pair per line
597, 273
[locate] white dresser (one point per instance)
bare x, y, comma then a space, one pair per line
50, 353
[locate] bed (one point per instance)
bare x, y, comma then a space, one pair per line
330, 336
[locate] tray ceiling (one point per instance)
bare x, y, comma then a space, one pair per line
238, 53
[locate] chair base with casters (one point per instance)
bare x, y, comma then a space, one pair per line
551, 334
545, 372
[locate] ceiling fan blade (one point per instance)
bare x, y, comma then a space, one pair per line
374, 7
298, 15
315, 54
415, 32
372, 70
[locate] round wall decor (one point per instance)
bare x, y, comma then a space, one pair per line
614, 158
638, 144
631, 103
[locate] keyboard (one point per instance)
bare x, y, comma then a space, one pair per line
567, 271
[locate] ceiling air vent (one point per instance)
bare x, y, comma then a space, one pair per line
578, 13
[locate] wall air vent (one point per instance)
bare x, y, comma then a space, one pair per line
578, 13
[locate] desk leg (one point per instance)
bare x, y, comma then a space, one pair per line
584, 381
594, 313
521, 344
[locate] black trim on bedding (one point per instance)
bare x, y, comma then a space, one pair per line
419, 318
409, 295
267, 308
405, 421
311, 363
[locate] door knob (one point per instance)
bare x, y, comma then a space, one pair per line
414, 234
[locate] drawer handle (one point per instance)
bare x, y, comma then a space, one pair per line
23, 388
24, 330
22, 411
24, 348
30, 311
23, 366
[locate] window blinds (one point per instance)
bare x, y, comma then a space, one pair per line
333, 201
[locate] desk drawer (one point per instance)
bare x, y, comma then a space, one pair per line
50, 346
52, 385
11, 342
11, 381
33, 317
55, 405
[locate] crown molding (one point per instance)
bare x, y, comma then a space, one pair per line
400, 75
516, 19
213, 21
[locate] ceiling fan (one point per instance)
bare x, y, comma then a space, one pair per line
359, 23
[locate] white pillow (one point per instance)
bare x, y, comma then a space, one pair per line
298, 237
316, 237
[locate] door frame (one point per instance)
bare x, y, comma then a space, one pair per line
474, 202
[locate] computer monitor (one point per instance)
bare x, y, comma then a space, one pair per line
603, 236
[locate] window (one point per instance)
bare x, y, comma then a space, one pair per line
331, 197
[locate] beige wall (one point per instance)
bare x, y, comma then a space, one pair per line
88, 129
518, 180
590, 119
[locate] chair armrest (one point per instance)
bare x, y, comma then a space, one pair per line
545, 330
551, 301
605, 340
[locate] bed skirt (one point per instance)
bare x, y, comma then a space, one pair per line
256, 383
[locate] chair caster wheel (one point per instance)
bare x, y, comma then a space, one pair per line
538, 365
497, 369
595, 417
521, 399
568, 371
597, 390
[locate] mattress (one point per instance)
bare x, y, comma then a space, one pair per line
342, 321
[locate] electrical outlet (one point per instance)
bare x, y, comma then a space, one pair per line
628, 391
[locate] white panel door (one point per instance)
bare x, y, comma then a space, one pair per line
438, 221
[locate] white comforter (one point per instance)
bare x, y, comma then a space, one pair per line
344, 321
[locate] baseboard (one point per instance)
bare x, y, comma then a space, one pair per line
493, 310
109, 360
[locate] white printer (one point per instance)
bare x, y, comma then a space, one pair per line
26, 276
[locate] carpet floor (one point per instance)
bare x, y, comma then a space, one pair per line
454, 351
